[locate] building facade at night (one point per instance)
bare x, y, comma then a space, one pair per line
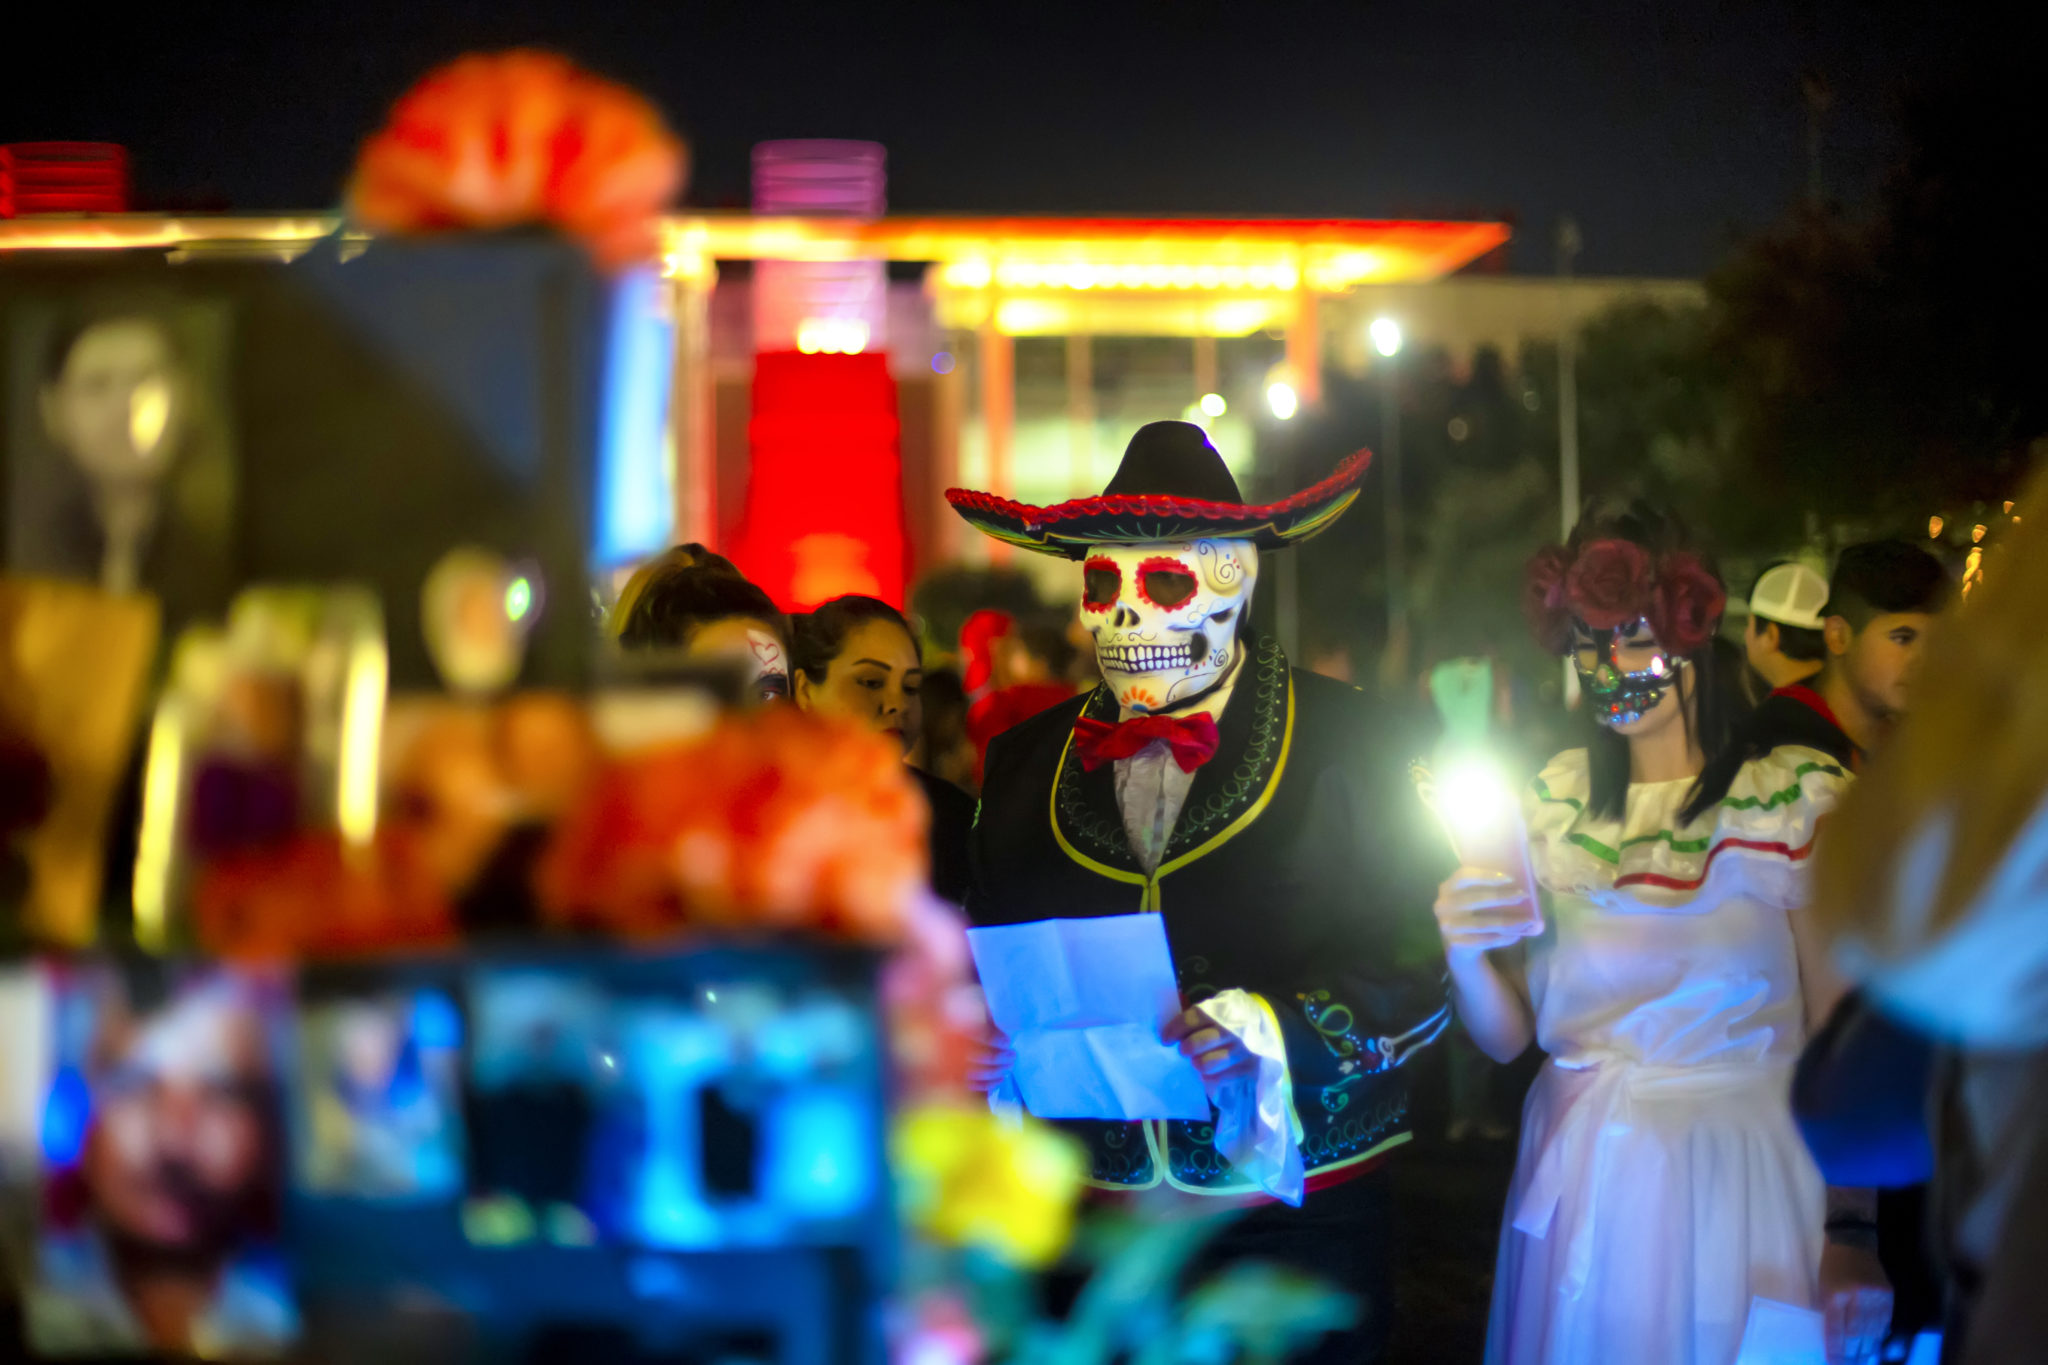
848, 366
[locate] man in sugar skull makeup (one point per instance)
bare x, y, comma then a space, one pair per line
1256, 808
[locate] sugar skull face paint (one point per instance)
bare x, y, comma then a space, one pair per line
1624, 671
771, 668
1165, 616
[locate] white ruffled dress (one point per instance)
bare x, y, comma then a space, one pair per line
1660, 1184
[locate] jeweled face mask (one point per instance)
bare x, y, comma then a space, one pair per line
1616, 694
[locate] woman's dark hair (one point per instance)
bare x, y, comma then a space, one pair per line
816, 637
1716, 667
670, 604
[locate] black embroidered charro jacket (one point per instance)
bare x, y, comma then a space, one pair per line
1301, 869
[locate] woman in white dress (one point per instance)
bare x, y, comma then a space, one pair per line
1660, 1185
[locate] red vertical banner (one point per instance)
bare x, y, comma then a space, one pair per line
823, 514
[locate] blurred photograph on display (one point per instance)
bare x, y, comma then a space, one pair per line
542, 1064
380, 1097
160, 1143
670, 1118
121, 466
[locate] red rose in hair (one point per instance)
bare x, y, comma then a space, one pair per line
1543, 597
1609, 583
1687, 605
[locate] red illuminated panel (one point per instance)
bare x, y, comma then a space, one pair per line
62, 177
823, 514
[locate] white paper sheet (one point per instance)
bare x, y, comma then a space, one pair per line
1082, 1001
1781, 1334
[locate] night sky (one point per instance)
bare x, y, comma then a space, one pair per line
1665, 128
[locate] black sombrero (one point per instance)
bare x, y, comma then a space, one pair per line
1172, 485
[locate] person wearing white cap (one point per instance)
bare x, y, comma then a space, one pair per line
1785, 641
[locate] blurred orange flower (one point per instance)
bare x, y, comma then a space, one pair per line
313, 897
773, 819
500, 140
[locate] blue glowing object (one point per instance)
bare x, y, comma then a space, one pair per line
435, 1022
818, 1159
635, 498
65, 1115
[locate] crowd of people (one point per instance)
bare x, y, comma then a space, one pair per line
859, 658
1660, 942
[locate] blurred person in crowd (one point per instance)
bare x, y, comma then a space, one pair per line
1883, 597
180, 1184
1878, 608
1662, 962
858, 657
690, 600
1784, 640
1016, 666
1264, 813
1928, 888
1083, 675
944, 750
1881, 600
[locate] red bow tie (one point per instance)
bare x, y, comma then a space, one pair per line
1192, 738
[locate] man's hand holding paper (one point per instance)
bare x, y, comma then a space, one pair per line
1083, 1005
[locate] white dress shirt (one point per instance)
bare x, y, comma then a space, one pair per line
1151, 788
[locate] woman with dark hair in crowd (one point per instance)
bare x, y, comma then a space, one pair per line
857, 657
1660, 956
694, 603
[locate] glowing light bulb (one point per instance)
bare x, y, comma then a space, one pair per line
1386, 336
1213, 404
518, 599
1281, 398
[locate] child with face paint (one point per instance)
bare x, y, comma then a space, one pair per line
694, 602
1667, 970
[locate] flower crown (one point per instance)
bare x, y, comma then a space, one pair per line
1609, 583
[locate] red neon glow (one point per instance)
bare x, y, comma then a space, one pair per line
63, 177
1156, 582
823, 514
1090, 601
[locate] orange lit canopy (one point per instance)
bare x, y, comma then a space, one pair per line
1027, 276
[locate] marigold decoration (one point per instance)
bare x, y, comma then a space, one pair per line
312, 897
470, 774
971, 1179
503, 140
772, 820
1609, 583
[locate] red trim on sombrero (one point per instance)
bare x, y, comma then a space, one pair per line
1350, 471
1792, 854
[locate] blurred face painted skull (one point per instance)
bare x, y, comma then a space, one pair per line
1165, 616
